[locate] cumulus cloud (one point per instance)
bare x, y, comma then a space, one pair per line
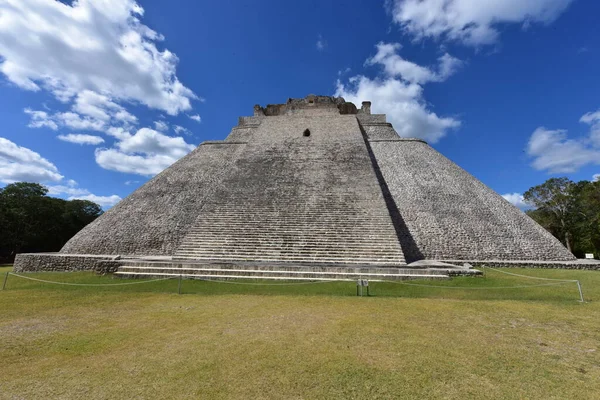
98, 47
81, 138
103, 201
161, 126
596, 178
147, 152
555, 152
396, 66
40, 119
22, 164
90, 111
516, 199
399, 93
75, 193
195, 117
180, 129
471, 22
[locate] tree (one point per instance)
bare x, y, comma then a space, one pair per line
30, 221
554, 201
587, 204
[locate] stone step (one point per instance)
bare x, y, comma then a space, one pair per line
329, 235
182, 265
284, 278
272, 275
293, 228
272, 251
278, 270
321, 260
298, 217
289, 244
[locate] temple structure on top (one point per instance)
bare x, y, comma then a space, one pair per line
314, 181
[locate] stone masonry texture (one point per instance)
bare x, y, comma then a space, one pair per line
313, 180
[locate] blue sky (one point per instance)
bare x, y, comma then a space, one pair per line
98, 96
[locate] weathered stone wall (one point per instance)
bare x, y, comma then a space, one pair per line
154, 218
371, 118
32, 262
291, 197
453, 216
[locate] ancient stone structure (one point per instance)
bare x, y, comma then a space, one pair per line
315, 181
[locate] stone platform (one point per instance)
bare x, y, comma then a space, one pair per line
157, 266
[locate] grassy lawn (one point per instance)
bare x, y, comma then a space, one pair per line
315, 341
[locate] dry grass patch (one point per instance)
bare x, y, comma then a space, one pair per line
61, 342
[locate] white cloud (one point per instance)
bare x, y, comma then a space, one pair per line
104, 201
399, 93
554, 152
75, 193
402, 103
471, 22
81, 138
148, 152
195, 117
40, 119
344, 71
321, 44
396, 66
591, 118
96, 46
101, 108
57, 190
22, 164
131, 182
180, 129
596, 178
516, 199
118, 132
161, 126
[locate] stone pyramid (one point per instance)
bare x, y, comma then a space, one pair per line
316, 181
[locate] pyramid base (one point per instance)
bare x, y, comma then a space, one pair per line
142, 266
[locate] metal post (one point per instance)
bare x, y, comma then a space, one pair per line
580, 292
5, 279
179, 285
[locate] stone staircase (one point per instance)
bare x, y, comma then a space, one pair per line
278, 272
320, 234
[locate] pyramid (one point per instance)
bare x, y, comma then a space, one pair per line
316, 181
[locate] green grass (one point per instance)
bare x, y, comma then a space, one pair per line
231, 341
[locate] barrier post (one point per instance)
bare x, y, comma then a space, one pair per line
5, 279
580, 292
179, 285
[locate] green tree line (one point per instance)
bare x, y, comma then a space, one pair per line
31, 221
570, 211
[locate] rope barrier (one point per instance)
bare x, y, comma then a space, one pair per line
557, 282
87, 284
530, 277
481, 288
267, 284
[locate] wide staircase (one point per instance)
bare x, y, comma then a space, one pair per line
320, 233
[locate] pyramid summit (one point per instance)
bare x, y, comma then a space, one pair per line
313, 181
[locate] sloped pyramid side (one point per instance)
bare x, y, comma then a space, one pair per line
453, 216
296, 198
154, 219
